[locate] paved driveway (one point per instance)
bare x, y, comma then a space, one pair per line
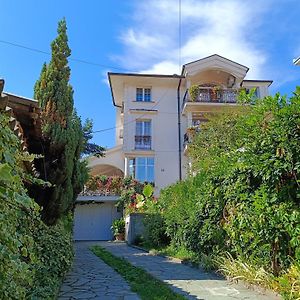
91, 278
190, 282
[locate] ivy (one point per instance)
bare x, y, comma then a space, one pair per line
33, 256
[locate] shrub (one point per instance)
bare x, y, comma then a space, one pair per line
244, 198
18, 216
55, 254
155, 230
33, 256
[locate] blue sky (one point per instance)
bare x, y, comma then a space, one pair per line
142, 36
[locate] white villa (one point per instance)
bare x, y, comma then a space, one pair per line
155, 115
154, 111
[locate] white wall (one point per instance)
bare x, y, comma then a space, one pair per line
164, 127
113, 157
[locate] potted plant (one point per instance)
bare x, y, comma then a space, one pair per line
194, 92
118, 229
216, 92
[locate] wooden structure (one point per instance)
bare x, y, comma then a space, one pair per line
25, 122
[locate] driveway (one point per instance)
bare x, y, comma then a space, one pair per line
190, 282
91, 278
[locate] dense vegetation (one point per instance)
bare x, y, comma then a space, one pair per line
33, 256
62, 133
242, 203
36, 221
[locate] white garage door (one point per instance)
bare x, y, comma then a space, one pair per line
93, 221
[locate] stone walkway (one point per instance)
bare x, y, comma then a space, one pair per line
91, 278
190, 282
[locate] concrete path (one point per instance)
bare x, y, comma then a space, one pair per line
91, 278
190, 282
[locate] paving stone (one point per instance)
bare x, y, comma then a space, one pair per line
91, 278
191, 282
132, 297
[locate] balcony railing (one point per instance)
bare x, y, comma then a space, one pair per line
143, 142
212, 95
102, 185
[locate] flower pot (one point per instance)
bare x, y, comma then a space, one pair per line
120, 237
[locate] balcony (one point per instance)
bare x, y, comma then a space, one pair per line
102, 185
143, 142
207, 98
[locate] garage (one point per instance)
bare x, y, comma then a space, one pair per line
93, 218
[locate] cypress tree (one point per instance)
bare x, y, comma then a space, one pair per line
63, 139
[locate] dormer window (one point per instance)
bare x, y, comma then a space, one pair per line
143, 94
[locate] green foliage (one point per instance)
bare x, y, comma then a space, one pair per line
141, 282
63, 137
148, 191
33, 256
118, 226
18, 215
55, 252
289, 282
245, 196
88, 147
155, 230
239, 269
194, 92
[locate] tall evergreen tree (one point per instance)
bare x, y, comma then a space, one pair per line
63, 139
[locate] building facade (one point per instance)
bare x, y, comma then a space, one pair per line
156, 113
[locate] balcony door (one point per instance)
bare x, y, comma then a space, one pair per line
143, 135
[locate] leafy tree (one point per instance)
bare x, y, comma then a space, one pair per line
90, 148
63, 139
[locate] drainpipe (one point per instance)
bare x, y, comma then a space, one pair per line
179, 128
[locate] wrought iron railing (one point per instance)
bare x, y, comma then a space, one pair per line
212, 95
143, 142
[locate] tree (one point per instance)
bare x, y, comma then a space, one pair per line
91, 148
63, 139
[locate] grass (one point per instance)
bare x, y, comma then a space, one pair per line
141, 282
287, 284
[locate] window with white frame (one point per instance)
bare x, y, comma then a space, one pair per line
256, 91
143, 134
142, 168
143, 94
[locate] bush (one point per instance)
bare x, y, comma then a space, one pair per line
244, 198
33, 256
18, 216
155, 230
55, 254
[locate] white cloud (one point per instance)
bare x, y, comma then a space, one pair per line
208, 27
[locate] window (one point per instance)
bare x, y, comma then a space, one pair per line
143, 134
142, 168
143, 94
256, 92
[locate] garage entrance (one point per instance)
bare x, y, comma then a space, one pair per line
92, 221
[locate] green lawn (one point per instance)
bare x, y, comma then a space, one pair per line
141, 282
